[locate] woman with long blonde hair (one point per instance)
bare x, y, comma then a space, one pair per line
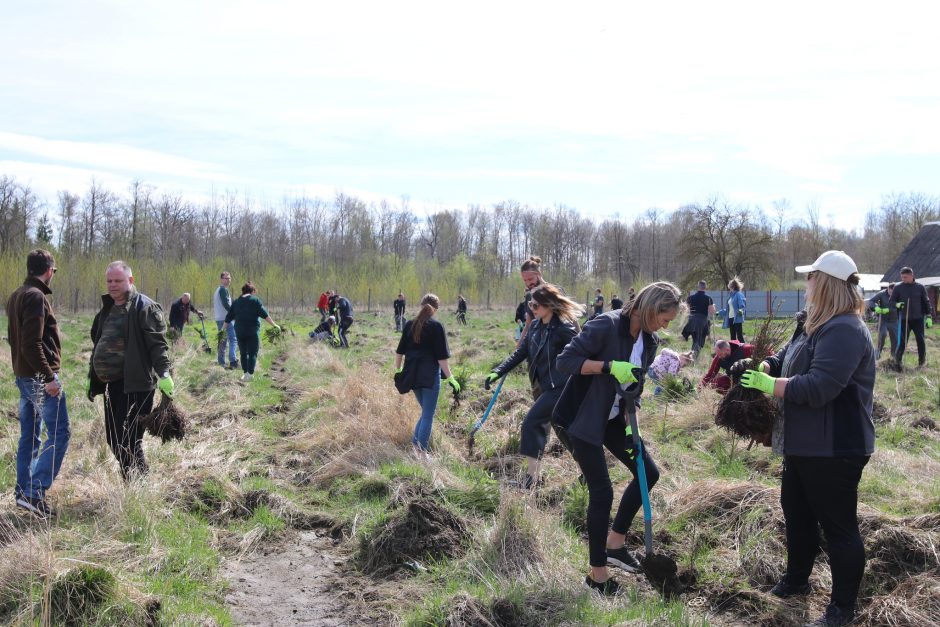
825, 379
555, 323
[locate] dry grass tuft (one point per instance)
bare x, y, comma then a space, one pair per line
915, 602
512, 547
466, 611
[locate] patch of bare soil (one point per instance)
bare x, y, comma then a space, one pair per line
303, 580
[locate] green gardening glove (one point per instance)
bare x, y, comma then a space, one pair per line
928, 321
399, 370
490, 378
452, 382
165, 384
740, 312
758, 381
623, 372
899, 305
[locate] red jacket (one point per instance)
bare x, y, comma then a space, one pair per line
323, 302
738, 351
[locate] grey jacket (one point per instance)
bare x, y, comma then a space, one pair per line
586, 400
541, 346
828, 399
881, 299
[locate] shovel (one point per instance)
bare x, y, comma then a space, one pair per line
205, 338
659, 569
486, 414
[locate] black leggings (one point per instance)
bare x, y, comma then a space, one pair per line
737, 331
590, 458
122, 413
917, 326
823, 491
537, 423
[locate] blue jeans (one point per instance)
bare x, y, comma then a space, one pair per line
427, 398
230, 340
37, 462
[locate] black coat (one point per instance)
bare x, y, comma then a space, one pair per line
541, 346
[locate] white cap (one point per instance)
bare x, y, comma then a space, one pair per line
834, 263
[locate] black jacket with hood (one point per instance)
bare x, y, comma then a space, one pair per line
541, 346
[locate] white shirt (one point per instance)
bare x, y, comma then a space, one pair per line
636, 358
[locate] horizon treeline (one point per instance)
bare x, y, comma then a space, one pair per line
294, 249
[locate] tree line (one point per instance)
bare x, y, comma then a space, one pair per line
297, 246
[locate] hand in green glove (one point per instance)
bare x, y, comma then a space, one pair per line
165, 384
452, 382
399, 370
758, 381
740, 312
490, 378
899, 305
928, 321
623, 371
764, 366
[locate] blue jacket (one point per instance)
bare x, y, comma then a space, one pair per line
541, 346
585, 403
828, 400
736, 304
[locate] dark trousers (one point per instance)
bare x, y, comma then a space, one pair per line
737, 330
122, 414
537, 424
344, 325
823, 491
590, 458
248, 347
888, 330
917, 326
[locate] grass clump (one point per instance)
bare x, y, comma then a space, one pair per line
574, 513
78, 593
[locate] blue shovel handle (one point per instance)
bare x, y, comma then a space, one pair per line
489, 408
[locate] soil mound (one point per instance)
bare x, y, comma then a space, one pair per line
422, 529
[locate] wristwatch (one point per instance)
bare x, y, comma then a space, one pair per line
605, 368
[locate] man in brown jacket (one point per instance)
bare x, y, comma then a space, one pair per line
35, 348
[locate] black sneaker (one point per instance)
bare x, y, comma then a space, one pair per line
39, 507
608, 588
834, 617
623, 559
785, 589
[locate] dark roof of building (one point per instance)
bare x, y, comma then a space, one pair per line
922, 254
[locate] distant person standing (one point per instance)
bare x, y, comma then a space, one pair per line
399, 306
245, 312
221, 303
531, 274
35, 347
323, 304
520, 319
129, 360
910, 300
598, 302
880, 303
616, 303
344, 312
461, 309
179, 313
735, 312
701, 309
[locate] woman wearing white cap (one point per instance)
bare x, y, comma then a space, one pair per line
824, 379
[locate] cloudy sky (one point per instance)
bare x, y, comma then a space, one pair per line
604, 106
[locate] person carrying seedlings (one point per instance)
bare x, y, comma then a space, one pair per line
423, 347
598, 303
611, 353
245, 312
35, 348
324, 330
344, 313
913, 307
824, 380
555, 324
129, 360
399, 306
531, 274
616, 303
880, 303
733, 313
701, 309
323, 304
461, 309
179, 313
726, 355
221, 303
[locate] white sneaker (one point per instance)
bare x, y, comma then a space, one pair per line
247, 377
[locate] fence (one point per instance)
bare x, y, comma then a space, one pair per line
761, 303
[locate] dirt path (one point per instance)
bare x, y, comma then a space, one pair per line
297, 582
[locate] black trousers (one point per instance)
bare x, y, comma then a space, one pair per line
590, 458
823, 491
122, 413
344, 325
537, 423
917, 326
737, 330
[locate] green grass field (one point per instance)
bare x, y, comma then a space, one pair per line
321, 440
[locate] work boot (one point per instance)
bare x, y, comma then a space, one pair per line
785, 589
834, 617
